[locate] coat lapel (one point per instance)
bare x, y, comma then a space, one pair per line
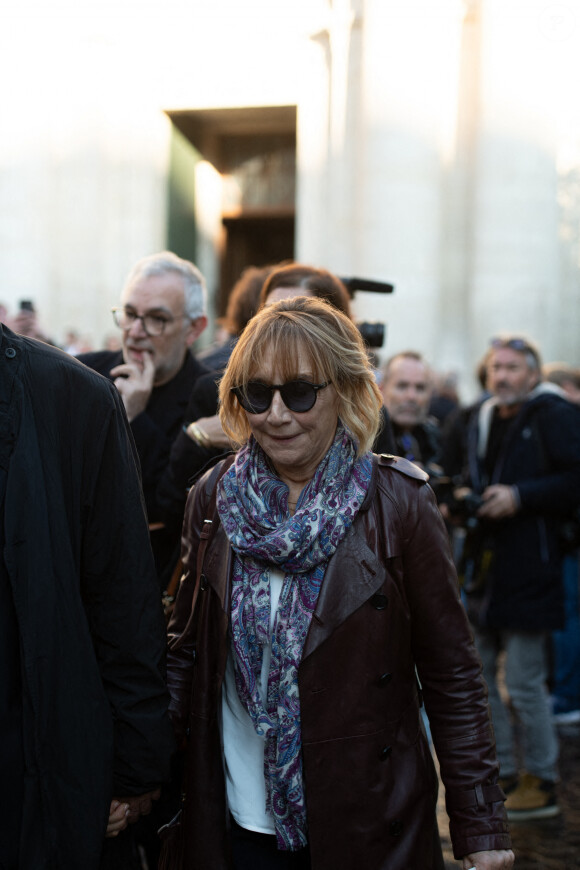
352, 576
217, 565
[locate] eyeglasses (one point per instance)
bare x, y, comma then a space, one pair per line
519, 344
298, 396
153, 324
514, 343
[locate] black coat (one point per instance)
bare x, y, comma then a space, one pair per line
157, 427
188, 458
154, 431
91, 629
540, 456
424, 445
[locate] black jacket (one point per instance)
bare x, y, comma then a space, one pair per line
421, 445
91, 629
154, 432
157, 427
188, 458
540, 456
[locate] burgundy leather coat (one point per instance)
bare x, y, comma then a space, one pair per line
388, 604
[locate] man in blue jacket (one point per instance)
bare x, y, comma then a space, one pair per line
523, 459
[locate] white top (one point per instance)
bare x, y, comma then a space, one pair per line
243, 748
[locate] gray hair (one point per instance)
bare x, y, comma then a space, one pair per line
521, 345
194, 286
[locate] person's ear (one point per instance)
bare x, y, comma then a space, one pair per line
195, 329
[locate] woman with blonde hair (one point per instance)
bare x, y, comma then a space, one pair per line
317, 583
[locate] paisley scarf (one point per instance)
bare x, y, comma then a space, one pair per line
253, 507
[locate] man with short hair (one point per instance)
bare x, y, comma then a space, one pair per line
523, 456
162, 312
407, 386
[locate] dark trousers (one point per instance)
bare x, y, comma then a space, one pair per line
253, 851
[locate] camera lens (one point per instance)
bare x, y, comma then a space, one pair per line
373, 333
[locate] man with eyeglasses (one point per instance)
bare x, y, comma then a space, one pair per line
522, 458
162, 312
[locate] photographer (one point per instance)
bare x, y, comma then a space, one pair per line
522, 459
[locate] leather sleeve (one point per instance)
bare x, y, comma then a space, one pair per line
201, 506
180, 630
449, 670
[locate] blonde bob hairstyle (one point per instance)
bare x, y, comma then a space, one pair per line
334, 348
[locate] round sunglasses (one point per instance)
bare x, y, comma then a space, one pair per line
298, 396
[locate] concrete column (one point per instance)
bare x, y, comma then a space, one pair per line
517, 277
408, 93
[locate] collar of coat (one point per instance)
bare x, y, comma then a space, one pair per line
487, 408
352, 559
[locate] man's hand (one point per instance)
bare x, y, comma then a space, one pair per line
135, 385
137, 805
117, 818
499, 502
496, 859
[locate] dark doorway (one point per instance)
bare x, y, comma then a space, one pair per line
254, 241
254, 150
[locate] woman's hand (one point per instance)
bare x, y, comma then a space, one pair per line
117, 818
496, 859
212, 429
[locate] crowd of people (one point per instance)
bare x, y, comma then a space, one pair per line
322, 599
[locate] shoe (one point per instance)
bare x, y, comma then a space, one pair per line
533, 798
565, 717
508, 783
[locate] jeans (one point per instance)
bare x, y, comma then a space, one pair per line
566, 643
525, 677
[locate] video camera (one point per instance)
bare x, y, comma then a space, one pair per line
373, 332
462, 503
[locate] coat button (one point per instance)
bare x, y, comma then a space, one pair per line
396, 828
10, 352
379, 602
385, 752
385, 679
203, 584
